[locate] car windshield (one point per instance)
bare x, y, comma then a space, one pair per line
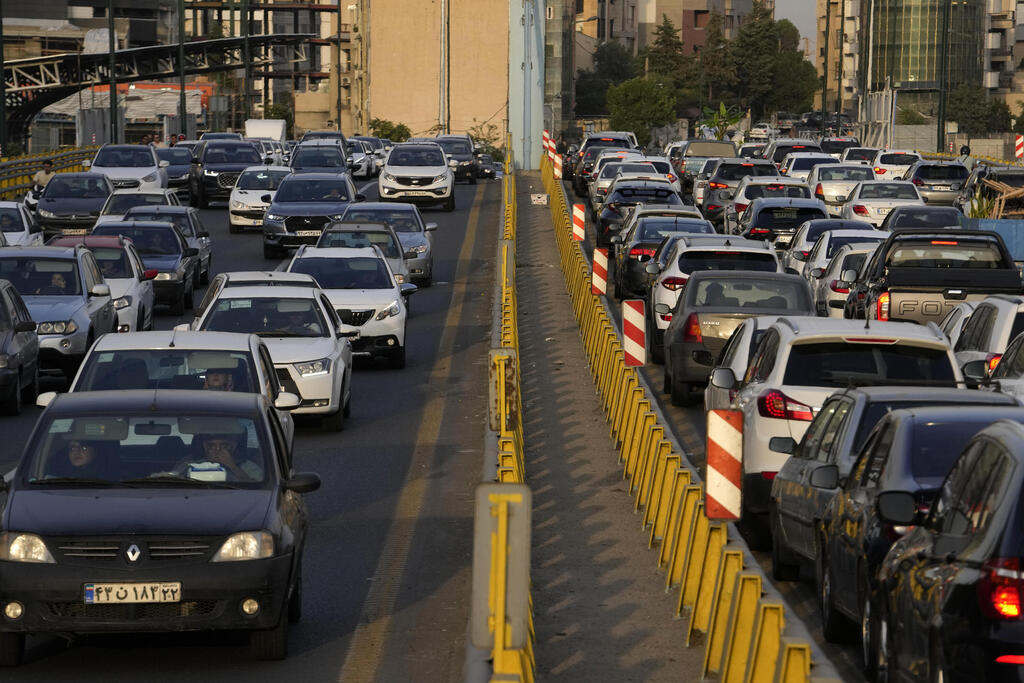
113, 262
787, 216
359, 272
124, 369
860, 154
10, 220
933, 217
135, 156
178, 219
151, 240
653, 229
326, 156
455, 147
189, 451
416, 156
120, 203
777, 190
740, 171
749, 294
726, 259
260, 180
952, 172
267, 317
839, 241
400, 220
300, 189
77, 187
898, 159
836, 146
342, 237
840, 364
888, 191
945, 253
807, 163
845, 173
41, 276
176, 156
231, 154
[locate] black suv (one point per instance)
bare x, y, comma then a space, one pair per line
216, 165
458, 148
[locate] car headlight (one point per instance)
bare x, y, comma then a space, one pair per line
47, 214
211, 174
123, 302
465, 163
389, 177
313, 367
235, 204
57, 327
246, 545
394, 309
150, 178
273, 217
15, 547
420, 249
166, 276
441, 178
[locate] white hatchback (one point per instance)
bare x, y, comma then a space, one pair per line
892, 164
872, 200
247, 203
131, 166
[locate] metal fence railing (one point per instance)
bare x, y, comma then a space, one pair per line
16, 172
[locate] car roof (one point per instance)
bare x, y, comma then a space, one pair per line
390, 206
918, 208
898, 151
759, 202
161, 400
81, 174
171, 339
733, 242
674, 208
339, 252
262, 167
912, 393
283, 275
851, 232
319, 175
163, 225
47, 252
962, 413
734, 275
87, 241
139, 190
803, 327
159, 208
360, 226
267, 291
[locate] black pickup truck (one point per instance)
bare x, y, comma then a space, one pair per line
919, 275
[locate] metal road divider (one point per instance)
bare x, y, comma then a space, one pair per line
743, 631
502, 636
16, 172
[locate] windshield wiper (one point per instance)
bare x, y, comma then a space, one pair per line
74, 481
176, 480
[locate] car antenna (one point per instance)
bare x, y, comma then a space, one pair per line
867, 322
170, 344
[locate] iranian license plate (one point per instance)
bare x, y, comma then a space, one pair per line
943, 188
308, 233
420, 193
123, 593
75, 231
882, 212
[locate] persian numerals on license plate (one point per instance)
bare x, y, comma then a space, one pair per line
308, 233
75, 231
115, 593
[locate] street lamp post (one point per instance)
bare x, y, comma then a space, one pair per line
181, 67
3, 89
940, 118
113, 71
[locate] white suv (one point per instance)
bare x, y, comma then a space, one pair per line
800, 361
417, 172
362, 289
996, 321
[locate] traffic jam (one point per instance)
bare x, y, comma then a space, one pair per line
159, 489
870, 339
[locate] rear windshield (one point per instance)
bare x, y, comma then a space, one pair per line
710, 148
888, 191
777, 190
787, 216
942, 172
940, 253
662, 167
873, 412
361, 238
899, 159
927, 218
723, 259
937, 445
861, 154
644, 194
840, 364
654, 229
837, 146
750, 294
323, 156
1010, 178
846, 173
739, 171
841, 240
120, 203
782, 150
807, 163
611, 170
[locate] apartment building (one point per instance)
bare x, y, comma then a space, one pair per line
691, 17
842, 19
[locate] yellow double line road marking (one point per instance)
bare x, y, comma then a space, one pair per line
374, 625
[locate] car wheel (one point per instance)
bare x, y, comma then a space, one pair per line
140, 322
783, 569
12, 406
273, 643
31, 391
12, 648
396, 360
883, 649
834, 625
449, 204
347, 410
189, 298
472, 179
657, 350
428, 280
666, 380
178, 307
334, 422
193, 197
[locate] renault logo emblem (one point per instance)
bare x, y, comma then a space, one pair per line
133, 553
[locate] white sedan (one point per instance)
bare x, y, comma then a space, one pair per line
18, 227
872, 200
248, 201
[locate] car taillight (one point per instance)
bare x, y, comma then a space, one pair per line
712, 207
740, 207
804, 254
667, 317
776, 404
760, 231
991, 361
861, 210
674, 283
834, 286
1010, 659
691, 330
999, 590
671, 177
879, 170
718, 186
917, 181
819, 191
882, 306
769, 475
783, 171
637, 252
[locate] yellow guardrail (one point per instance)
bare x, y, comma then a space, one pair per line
743, 632
16, 172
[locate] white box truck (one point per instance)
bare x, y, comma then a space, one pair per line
267, 129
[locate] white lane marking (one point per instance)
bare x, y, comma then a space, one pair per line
362, 190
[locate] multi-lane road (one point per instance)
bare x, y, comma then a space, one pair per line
387, 567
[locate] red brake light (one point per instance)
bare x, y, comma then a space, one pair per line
798, 146
999, 591
777, 405
674, 283
917, 181
671, 177
712, 207
882, 306
1010, 659
805, 253
718, 186
746, 164
819, 191
879, 170
740, 207
861, 210
691, 330
945, 243
760, 231
769, 475
637, 252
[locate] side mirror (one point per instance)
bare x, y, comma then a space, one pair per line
825, 477
149, 274
182, 327
46, 398
25, 326
87, 163
848, 275
267, 198
799, 256
782, 444
191, 251
287, 401
897, 507
303, 482
430, 227
976, 370
360, 197
202, 234
164, 163
817, 272
408, 289
723, 378
100, 290
652, 268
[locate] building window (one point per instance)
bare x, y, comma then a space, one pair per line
579, 6
550, 13
611, 29
700, 18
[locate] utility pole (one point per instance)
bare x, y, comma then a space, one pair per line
824, 68
113, 71
442, 94
3, 89
940, 131
338, 63
246, 55
842, 55
181, 66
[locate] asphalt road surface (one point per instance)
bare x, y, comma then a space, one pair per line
387, 565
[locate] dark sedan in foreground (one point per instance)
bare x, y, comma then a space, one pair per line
154, 511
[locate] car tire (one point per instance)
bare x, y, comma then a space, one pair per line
834, 626
204, 202
12, 648
657, 350
193, 197
12, 405
347, 410
783, 568
666, 380
884, 650
449, 204
334, 422
271, 644
140, 322
472, 179
190, 296
396, 361
428, 280
31, 392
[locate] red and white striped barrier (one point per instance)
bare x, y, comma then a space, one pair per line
599, 279
546, 144
558, 165
1018, 147
725, 465
634, 325
579, 222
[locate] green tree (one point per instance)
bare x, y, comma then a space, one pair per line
720, 119
666, 57
1018, 123
590, 92
910, 117
715, 66
640, 104
1000, 120
613, 62
969, 106
794, 82
754, 53
396, 132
